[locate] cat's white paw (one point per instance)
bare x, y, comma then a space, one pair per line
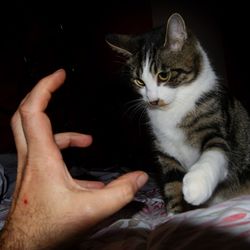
196, 187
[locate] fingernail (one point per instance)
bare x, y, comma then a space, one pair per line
57, 71
142, 179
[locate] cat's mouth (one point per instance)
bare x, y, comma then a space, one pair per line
157, 104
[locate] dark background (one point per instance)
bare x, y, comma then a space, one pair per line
40, 37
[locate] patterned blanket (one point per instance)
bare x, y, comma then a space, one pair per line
144, 223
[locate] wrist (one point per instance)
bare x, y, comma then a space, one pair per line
25, 231
21, 235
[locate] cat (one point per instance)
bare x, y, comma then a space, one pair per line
201, 133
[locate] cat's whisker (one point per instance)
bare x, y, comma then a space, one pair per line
138, 109
137, 106
118, 62
130, 109
143, 115
133, 101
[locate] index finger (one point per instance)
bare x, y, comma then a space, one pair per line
36, 124
40, 95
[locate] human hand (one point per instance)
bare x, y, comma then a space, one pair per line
49, 206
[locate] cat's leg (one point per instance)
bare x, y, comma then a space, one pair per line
172, 174
203, 177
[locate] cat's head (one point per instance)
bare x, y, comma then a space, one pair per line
161, 61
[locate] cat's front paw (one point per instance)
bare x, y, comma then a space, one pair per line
196, 187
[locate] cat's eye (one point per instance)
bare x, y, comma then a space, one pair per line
164, 76
139, 83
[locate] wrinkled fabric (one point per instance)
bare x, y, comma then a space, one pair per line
222, 226
3, 183
8, 168
145, 224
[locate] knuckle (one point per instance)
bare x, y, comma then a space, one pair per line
128, 192
14, 120
24, 111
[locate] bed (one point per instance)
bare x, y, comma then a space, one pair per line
144, 223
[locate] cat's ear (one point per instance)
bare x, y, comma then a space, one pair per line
123, 44
176, 33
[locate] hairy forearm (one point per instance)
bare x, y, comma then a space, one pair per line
14, 237
19, 234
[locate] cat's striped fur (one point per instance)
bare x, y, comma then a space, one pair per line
201, 133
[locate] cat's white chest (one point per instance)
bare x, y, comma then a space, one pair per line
172, 139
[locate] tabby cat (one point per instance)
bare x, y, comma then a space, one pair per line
201, 133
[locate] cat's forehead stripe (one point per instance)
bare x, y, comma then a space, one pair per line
147, 76
146, 63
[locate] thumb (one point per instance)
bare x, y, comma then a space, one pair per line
120, 192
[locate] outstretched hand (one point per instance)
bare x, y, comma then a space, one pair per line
49, 206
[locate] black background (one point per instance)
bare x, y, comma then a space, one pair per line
40, 37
